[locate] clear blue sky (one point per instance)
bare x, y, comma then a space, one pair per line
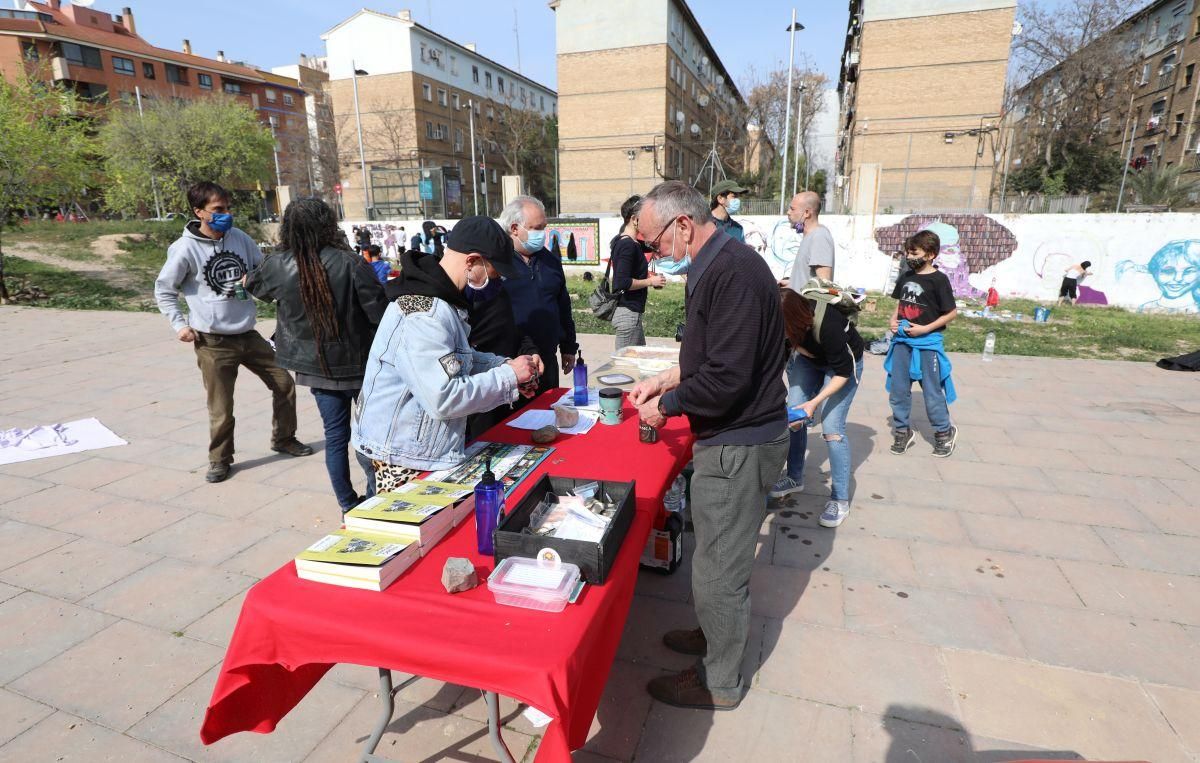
275, 32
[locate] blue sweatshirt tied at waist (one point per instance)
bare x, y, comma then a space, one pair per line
931, 342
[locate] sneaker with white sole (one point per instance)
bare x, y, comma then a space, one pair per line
786, 486
943, 442
902, 440
834, 514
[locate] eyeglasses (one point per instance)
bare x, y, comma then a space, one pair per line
653, 245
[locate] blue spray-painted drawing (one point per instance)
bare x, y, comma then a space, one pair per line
1175, 269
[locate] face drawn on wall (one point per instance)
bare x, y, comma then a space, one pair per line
1175, 268
970, 245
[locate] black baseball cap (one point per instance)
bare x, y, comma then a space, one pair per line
484, 236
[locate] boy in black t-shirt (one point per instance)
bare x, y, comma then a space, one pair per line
925, 305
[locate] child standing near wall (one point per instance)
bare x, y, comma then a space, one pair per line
925, 306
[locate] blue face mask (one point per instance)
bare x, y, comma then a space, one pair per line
221, 222
668, 266
536, 241
733, 206
799, 227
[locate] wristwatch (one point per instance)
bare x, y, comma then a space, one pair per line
662, 411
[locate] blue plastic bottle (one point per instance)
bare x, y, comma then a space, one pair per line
489, 505
581, 382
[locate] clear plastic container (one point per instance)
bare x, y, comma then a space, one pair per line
519, 581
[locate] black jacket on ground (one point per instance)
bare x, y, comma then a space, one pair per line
732, 359
358, 302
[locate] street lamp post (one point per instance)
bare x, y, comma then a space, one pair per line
362, 156
799, 132
273, 120
158, 211
787, 119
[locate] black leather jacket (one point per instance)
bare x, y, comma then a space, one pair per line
358, 301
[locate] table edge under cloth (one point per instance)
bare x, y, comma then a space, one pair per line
278, 652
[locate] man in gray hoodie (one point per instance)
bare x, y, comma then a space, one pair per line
208, 264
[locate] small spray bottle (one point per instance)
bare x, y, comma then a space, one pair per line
489, 505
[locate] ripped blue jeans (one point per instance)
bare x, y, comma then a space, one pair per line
805, 380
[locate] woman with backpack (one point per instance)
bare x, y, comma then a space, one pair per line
630, 279
826, 368
329, 305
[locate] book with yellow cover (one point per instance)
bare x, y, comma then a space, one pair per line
357, 559
405, 508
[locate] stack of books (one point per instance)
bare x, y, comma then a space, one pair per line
421, 511
357, 559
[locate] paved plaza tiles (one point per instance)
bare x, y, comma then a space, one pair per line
1035, 595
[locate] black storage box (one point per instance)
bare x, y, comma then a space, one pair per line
594, 559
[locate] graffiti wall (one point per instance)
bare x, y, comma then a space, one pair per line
1141, 262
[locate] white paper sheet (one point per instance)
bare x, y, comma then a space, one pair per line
85, 434
593, 403
538, 418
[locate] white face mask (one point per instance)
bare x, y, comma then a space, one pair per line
478, 286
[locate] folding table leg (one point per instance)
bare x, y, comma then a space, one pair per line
387, 695
493, 711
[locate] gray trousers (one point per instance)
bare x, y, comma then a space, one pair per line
729, 504
628, 325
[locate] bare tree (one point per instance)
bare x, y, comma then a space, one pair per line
767, 103
525, 140
1073, 63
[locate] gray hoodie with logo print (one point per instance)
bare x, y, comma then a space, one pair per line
206, 271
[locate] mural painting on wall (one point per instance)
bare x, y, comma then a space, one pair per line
970, 244
778, 246
577, 240
1175, 268
1055, 256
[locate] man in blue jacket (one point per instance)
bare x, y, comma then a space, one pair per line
540, 300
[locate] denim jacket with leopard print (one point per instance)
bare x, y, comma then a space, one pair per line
421, 381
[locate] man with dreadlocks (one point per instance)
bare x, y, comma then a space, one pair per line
330, 304
208, 263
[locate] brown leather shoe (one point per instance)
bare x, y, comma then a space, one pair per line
687, 642
686, 689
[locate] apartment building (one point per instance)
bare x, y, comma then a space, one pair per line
418, 97
922, 90
103, 58
644, 98
321, 160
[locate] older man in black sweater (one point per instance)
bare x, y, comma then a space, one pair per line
729, 384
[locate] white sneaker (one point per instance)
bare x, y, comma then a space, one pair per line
785, 486
834, 514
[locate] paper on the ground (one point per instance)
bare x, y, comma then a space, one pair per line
593, 403
56, 440
536, 717
538, 418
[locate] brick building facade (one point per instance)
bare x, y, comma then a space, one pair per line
922, 89
103, 58
644, 95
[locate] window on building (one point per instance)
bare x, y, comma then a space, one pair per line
178, 75
1196, 31
29, 50
1179, 9
233, 88
491, 113
487, 80
82, 55
123, 66
475, 74
456, 102
205, 80
477, 108
424, 53
270, 94
458, 139
454, 65
1145, 78
542, 102
441, 97
493, 176
288, 100
1177, 125
429, 130
443, 132
148, 70
1188, 72
500, 84
427, 91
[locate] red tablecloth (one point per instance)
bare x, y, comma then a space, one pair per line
291, 631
